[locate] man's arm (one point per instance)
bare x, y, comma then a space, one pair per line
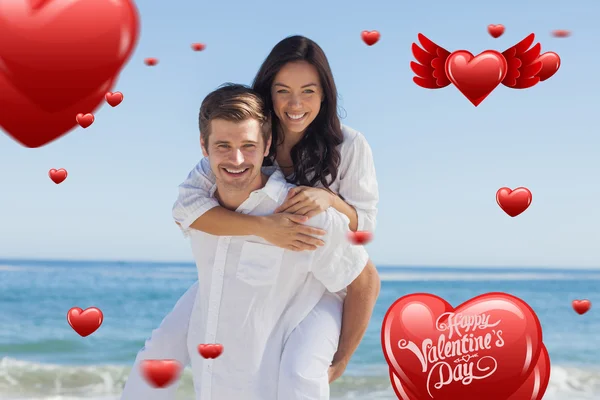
358, 308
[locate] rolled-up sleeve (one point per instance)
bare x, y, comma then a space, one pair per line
358, 182
194, 196
338, 262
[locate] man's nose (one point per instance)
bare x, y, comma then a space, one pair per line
237, 156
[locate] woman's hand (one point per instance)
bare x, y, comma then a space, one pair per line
289, 232
307, 201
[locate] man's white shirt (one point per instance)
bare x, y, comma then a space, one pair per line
252, 295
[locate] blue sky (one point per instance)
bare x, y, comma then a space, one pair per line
439, 160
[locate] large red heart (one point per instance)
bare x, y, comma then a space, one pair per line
532, 389
58, 58
484, 348
476, 77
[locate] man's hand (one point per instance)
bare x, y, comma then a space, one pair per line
307, 201
289, 232
336, 370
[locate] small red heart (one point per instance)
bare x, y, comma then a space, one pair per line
210, 350
581, 306
476, 77
160, 373
114, 99
58, 175
496, 30
151, 61
561, 33
370, 37
360, 237
84, 120
513, 202
85, 322
198, 46
550, 64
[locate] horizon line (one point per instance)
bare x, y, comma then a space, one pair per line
191, 262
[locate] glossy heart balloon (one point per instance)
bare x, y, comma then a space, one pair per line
487, 346
59, 58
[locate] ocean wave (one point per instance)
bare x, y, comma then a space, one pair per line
483, 276
30, 380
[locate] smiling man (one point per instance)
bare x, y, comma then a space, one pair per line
250, 295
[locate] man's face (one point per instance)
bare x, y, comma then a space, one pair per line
235, 151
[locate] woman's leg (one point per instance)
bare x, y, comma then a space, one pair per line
169, 341
309, 351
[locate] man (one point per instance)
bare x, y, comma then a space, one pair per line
250, 294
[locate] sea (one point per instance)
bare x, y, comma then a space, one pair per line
41, 357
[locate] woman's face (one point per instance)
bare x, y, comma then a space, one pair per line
297, 95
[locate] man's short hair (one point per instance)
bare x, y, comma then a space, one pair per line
235, 103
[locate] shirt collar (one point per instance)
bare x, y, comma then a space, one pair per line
274, 187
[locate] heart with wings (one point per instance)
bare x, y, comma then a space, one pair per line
519, 67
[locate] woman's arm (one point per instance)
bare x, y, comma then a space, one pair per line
196, 208
358, 185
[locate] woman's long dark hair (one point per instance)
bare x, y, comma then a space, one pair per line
317, 151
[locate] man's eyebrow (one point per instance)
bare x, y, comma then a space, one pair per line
286, 86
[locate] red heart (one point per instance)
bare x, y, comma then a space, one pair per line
561, 33
85, 322
581, 306
84, 120
370, 37
513, 202
151, 61
360, 237
532, 389
114, 99
160, 373
58, 175
476, 77
550, 64
496, 338
210, 350
198, 46
75, 50
496, 30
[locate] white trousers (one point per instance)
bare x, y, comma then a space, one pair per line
305, 361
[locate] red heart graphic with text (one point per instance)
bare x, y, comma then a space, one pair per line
532, 389
114, 99
513, 202
550, 65
160, 373
581, 306
59, 58
85, 322
486, 346
496, 30
58, 175
370, 37
476, 77
210, 350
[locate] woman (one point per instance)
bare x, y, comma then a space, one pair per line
333, 166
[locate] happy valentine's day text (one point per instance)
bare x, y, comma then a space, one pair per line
463, 349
